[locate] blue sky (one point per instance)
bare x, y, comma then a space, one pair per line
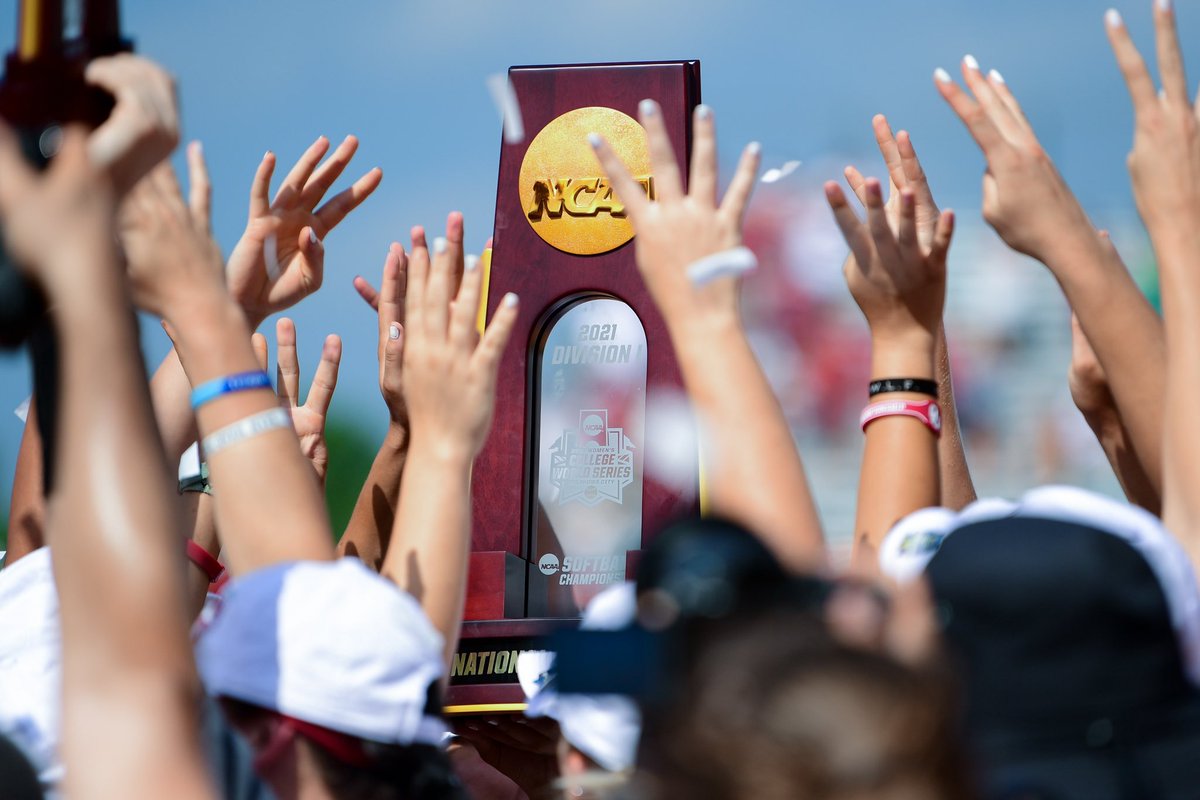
803, 77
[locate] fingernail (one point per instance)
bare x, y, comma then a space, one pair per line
754, 148
941, 76
996, 76
1113, 18
648, 107
394, 332
1164, 5
594, 139
197, 148
703, 111
439, 244
470, 263
971, 63
510, 300
312, 236
267, 154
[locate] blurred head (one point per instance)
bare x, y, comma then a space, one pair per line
772, 706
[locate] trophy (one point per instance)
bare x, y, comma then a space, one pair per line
566, 492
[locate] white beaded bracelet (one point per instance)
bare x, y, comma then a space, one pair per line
735, 261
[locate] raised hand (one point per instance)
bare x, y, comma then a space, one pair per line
169, 248
1165, 161
308, 419
280, 258
449, 371
388, 303
677, 229
898, 282
143, 127
1024, 197
57, 222
904, 171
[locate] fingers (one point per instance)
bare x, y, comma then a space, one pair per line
1170, 56
312, 267
877, 222
667, 181
1000, 87
289, 191
320, 394
259, 343
737, 196
847, 220
941, 237
366, 291
392, 286
438, 291
418, 278
906, 235
327, 173
466, 306
495, 337
889, 149
199, 188
913, 172
287, 369
857, 181
260, 187
1129, 61
979, 125
333, 212
453, 251
628, 190
991, 103
702, 185
16, 178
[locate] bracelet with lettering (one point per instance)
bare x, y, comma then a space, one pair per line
239, 382
915, 385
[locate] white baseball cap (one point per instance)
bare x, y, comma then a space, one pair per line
329, 643
605, 727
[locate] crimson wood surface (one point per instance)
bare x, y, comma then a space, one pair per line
544, 277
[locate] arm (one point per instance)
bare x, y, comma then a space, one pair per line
450, 391
899, 284
905, 172
1033, 210
755, 475
268, 506
369, 530
27, 506
1165, 168
126, 654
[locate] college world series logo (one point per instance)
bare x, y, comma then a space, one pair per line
593, 462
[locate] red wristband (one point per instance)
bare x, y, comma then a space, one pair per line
927, 411
205, 560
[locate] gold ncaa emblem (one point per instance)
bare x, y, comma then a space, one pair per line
566, 199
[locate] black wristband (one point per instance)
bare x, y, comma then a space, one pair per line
915, 385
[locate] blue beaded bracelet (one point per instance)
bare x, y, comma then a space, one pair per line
242, 381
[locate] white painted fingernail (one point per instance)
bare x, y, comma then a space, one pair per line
971, 63
510, 300
703, 111
312, 236
754, 148
1113, 18
594, 139
1164, 5
394, 332
996, 76
266, 155
470, 263
941, 76
439, 244
648, 107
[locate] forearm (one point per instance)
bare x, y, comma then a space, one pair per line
27, 507
170, 394
753, 468
900, 471
198, 508
431, 538
369, 530
957, 488
1125, 333
268, 506
1114, 440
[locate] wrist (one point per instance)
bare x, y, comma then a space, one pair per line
397, 438
908, 355
446, 452
213, 340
